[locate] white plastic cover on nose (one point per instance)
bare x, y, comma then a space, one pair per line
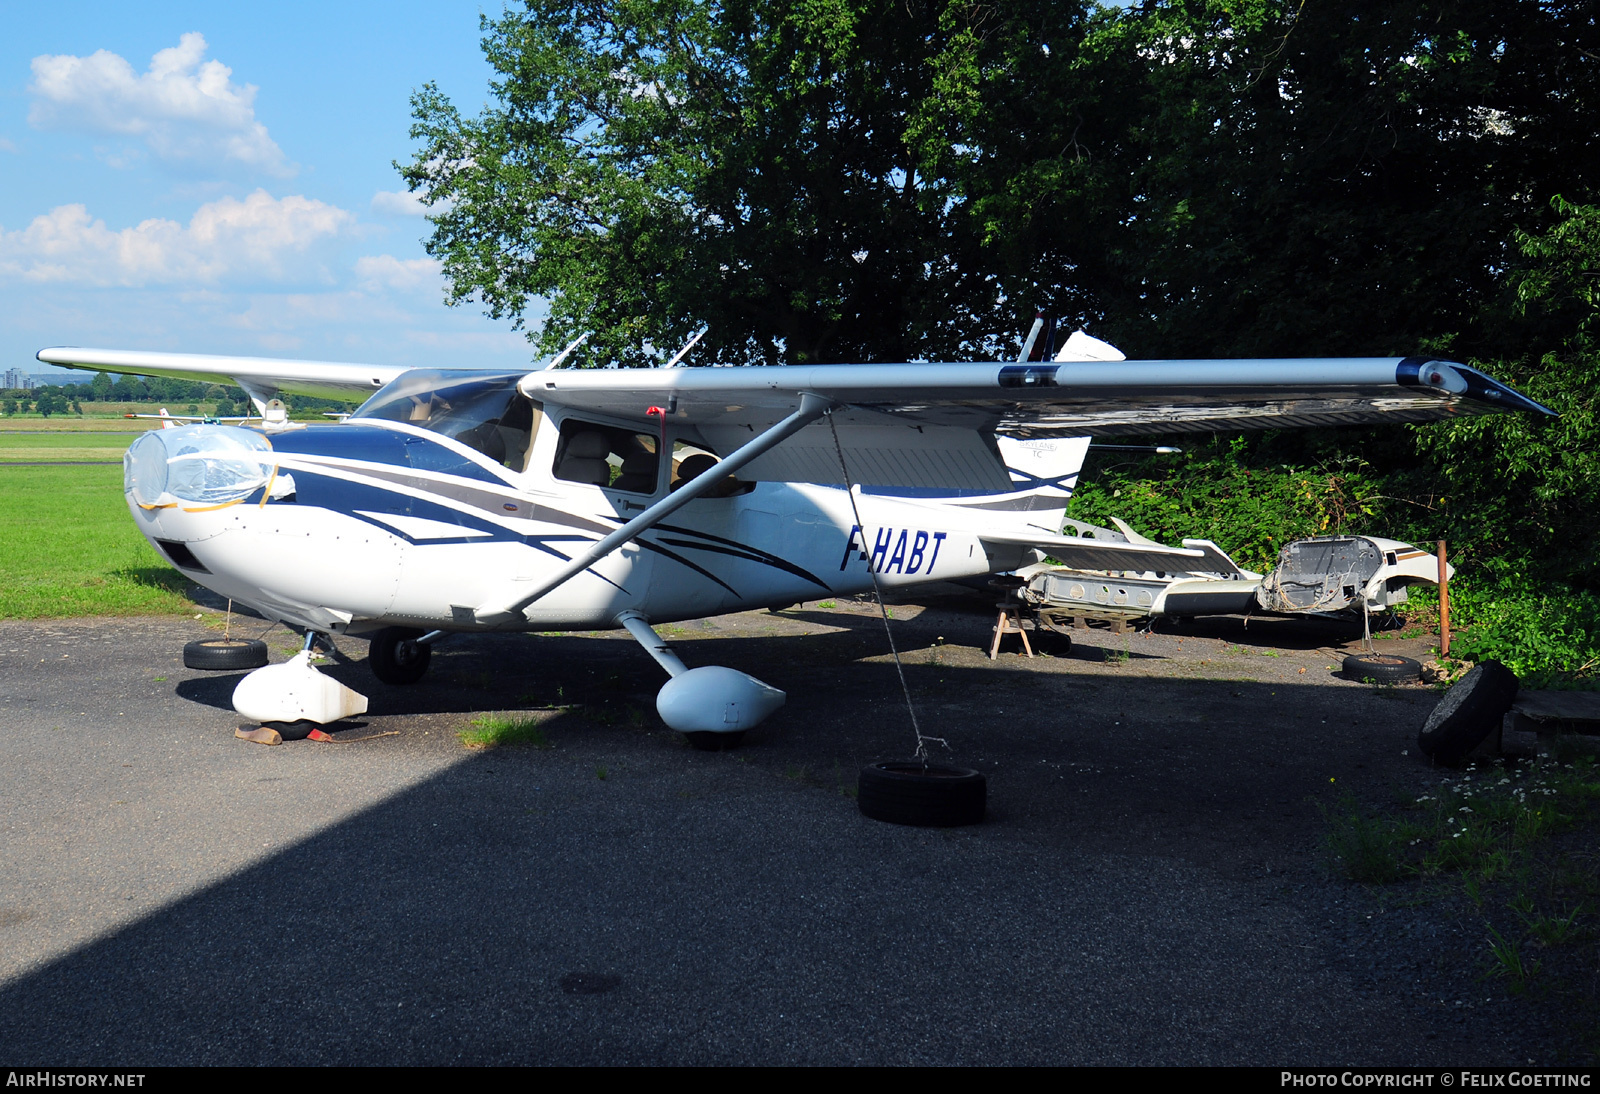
208, 464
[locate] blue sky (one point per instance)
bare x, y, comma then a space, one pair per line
218, 179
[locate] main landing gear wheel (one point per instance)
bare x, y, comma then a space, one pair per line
397, 657
1468, 713
225, 653
1381, 668
705, 741
926, 795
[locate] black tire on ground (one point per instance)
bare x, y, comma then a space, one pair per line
926, 795
396, 658
292, 731
1468, 713
225, 653
1381, 668
707, 741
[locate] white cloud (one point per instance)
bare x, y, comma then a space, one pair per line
259, 238
400, 203
182, 108
335, 324
7, 146
379, 272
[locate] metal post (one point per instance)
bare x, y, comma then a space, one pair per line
1444, 604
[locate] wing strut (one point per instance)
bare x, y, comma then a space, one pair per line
811, 408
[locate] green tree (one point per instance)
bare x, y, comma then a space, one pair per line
649, 167
1525, 492
1271, 177
101, 385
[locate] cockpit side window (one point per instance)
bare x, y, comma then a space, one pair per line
603, 455
690, 461
485, 412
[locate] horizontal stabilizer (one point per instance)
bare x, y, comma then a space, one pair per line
1082, 553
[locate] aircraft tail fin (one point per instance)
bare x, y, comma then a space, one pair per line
1043, 475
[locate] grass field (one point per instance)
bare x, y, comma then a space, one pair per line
78, 446
71, 423
68, 546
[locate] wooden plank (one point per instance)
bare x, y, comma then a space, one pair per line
1558, 706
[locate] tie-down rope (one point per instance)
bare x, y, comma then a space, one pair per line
877, 592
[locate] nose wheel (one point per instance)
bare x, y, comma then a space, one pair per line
397, 657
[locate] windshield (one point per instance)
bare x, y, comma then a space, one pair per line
482, 410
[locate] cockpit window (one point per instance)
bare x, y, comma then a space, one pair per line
482, 410
690, 461
603, 455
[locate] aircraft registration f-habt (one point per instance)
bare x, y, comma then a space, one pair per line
561, 498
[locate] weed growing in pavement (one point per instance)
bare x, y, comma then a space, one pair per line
1502, 837
1483, 822
1509, 961
1370, 850
843, 783
1554, 930
492, 730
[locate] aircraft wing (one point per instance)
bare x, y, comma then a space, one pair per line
261, 377
1053, 399
933, 425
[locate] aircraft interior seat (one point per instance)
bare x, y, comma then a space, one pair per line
485, 438
584, 459
691, 467
638, 473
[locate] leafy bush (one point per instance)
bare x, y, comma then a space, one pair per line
1547, 635
1249, 508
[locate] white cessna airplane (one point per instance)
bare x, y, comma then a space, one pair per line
580, 499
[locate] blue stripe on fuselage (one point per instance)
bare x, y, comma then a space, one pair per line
349, 498
375, 444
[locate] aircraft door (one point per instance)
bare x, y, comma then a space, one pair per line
596, 477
